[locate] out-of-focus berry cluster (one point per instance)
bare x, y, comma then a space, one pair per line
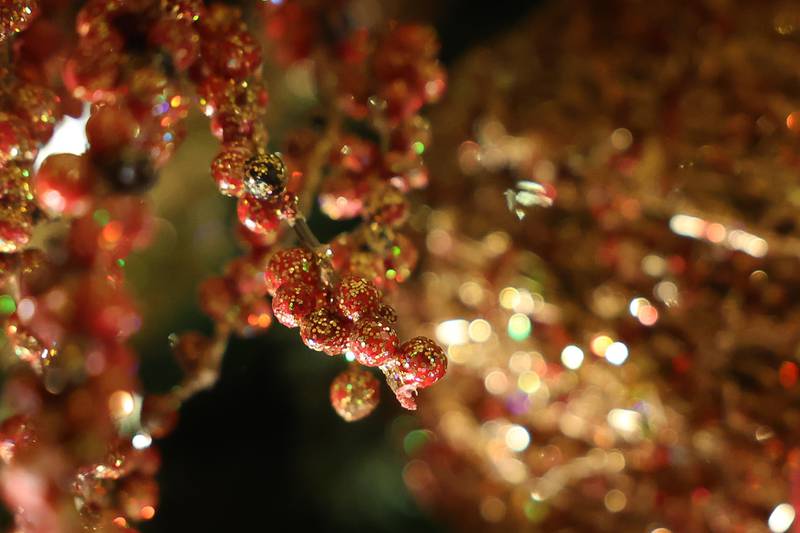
79, 437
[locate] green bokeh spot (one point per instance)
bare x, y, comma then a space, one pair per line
519, 330
101, 217
7, 304
415, 440
535, 511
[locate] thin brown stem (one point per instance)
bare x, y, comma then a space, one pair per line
305, 235
210, 372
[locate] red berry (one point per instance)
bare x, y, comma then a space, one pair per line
15, 16
189, 10
38, 107
92, 77
179, 39
297, 265
247, 275
355, 393
16, 433
107, 310
367, 265
253, 318
217, 298
256, 242
339, 251
14, 234
386, 314
25, 343
136, 493
325, 331
117, 225
213, 93
422, 362
234, 55
259, 216
227, 169
111, 128
401, 259
356, 297
220, 18
342, 196
386, 205
373, 342
16, 143
192, 351
232, 124
63, 184
159, 414
292, 303
289, 206
293, 28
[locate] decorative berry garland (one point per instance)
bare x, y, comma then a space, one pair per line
134, 62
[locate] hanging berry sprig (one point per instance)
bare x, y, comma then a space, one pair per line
379, 78
376, 170
335, 312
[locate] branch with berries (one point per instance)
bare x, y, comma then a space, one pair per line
338, 314
138, 66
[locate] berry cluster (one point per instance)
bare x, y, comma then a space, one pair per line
381, 80
137, 66
71, 314
348, 315
377, 79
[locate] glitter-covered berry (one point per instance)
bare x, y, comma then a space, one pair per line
355, 394
292, 303
265, 175
63, 184
254, 317
227, 169
15, 16
16, 143
182, 9
386, 314
356, 297
325, 331
422, 362
296, 265
259, 216
373, 342
387, 205
247, 275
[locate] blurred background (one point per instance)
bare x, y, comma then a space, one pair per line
608, 251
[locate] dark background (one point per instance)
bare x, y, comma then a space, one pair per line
263, 446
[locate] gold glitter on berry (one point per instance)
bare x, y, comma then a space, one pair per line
355, 394
422, 362
264, 175
324, 331
356, 297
